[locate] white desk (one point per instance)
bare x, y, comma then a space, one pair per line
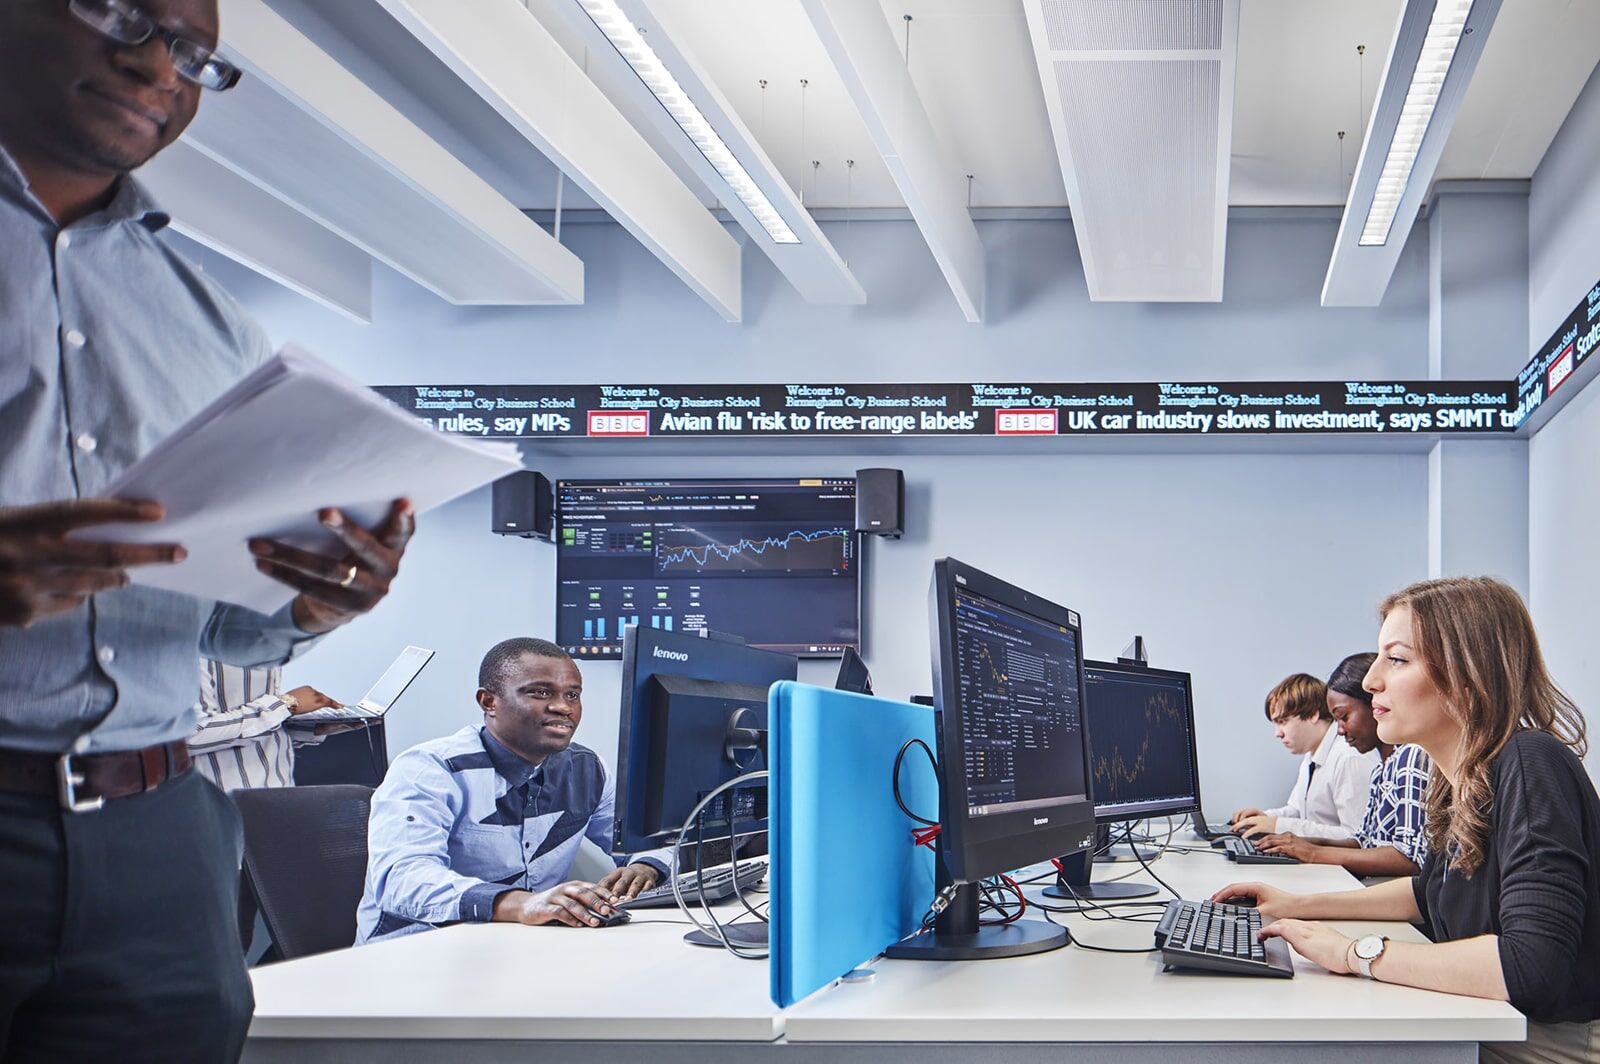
497, 992
515, 985
1129, 1009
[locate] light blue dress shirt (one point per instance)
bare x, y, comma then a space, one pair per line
109, 341
461, 820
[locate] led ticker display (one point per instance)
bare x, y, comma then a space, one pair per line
1026, 410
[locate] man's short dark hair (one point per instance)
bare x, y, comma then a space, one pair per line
503, 657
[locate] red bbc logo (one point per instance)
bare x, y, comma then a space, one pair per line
1560, 370
619, 422
1024, 422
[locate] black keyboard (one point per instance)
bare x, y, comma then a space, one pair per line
718, 885
1221, 938
1244, 851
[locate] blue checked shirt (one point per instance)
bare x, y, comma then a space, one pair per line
109, 341
1397, 811
461, 820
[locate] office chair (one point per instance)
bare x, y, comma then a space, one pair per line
305, 856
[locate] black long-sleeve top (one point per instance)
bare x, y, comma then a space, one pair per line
1538, 887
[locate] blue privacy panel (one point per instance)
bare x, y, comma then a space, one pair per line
847, 879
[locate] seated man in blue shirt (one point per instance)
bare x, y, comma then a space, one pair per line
484, 824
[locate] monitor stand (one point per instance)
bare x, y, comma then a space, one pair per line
752, 935
1121, 854
958, 936
1073, 883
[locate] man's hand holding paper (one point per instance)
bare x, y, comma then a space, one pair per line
334, 590
240, 483
43, 573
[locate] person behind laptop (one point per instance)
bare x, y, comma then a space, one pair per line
1510, 895
484, 824
241, 741
1392, 840
1329, 799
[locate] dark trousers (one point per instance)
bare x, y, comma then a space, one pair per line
119, 933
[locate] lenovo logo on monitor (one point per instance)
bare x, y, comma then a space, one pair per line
670, 655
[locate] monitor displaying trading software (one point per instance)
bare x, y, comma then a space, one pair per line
1008, 676
1141, 741
773, 561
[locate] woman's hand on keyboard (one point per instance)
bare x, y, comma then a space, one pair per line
1287, 844
1275, 903
1315, 942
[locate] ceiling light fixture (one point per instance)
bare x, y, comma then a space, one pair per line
630, 44
1433, 64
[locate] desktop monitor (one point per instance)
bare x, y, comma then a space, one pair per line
776, 561
1140, 725
1014, 769
694, 716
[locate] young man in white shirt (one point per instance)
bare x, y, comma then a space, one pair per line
1329, 799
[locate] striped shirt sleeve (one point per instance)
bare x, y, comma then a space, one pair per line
225, 722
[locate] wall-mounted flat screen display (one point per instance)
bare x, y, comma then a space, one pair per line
775, 562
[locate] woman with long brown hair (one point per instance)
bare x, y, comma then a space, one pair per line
1511, 895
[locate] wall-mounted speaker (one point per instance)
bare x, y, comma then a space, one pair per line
881, 502
524, 505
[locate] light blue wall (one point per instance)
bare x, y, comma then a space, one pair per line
1564, 457
1241, 567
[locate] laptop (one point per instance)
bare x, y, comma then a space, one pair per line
1205, 831
383, 694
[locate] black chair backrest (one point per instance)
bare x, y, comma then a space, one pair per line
305, 855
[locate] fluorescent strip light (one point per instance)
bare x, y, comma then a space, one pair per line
630, 44
1433, 64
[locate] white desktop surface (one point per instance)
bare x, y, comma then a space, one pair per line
478, 985
1072, 995
635, 982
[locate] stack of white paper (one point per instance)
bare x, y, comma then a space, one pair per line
293, 437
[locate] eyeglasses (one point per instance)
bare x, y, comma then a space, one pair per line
124, 23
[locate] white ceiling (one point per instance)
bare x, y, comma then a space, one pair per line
971, 65
1299, 81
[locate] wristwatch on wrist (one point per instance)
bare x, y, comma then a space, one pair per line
1369, 948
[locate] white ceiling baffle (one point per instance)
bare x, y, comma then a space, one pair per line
304, 128
1140, 97
862, 47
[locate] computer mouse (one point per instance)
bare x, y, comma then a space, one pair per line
618, 916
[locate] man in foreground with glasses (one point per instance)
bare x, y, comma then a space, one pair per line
118, 865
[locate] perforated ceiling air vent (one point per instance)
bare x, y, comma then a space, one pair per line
1132, 25
1140, 96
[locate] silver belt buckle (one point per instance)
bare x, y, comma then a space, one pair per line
67, 784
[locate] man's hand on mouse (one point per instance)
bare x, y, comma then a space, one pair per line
574, 903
